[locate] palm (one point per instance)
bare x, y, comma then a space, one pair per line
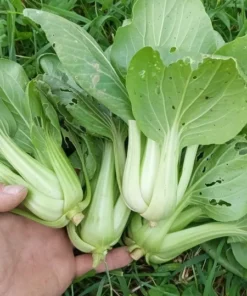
41, 255
37, 260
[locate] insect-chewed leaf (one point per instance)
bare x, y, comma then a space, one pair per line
174, 27
83, 58
219, 180
202, 105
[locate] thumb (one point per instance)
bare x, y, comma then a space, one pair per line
11, 196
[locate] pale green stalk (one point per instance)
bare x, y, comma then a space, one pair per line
165, 187
149, 169
187, 170
185, 218
175, 243
45, 207
131, 178
42, 178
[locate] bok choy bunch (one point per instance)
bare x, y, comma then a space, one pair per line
31, 152
217, 191
175, 93
182, 92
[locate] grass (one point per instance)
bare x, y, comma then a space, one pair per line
193, 273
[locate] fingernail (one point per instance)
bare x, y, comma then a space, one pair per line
13, 189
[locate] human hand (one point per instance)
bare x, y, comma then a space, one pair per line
37, 260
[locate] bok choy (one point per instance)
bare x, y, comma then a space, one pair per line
182, 92
107, 214
217, 190
30, 145
176, 106
175, 243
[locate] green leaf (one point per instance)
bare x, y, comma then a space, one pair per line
7, 121
238, 50
44, 122
239, 251
56, 92
91, 148
84, 110
88, 113
13, 81
51, 65
170, 26
200, 106
80, 110
218, 183
82, 57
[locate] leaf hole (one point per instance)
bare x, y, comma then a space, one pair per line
200, 156
221, 202
240, 146
173, 49
213, 183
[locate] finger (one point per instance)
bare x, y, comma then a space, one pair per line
116, 258
11, 196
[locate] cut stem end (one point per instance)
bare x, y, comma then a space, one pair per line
137, 254
98, 258
76, 219
152, 224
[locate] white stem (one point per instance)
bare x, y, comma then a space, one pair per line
121, 216
187, 170
99, 218
36, 174
131, 177
164, 197
149, 169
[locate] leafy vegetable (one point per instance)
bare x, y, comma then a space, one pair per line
174, 28
80, 110
75, 47
177, 107
182, 92
107, 214
177, 242
217, 190
29, 124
